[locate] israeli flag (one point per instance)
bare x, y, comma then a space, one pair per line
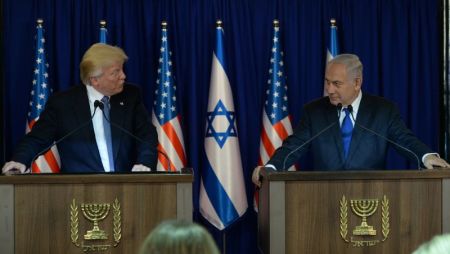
333, 46
222, 191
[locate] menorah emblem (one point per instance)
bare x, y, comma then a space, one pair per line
95, 213
364, 208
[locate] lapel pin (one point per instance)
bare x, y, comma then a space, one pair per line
121, 103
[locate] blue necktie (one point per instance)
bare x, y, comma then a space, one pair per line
346, 131
107, 128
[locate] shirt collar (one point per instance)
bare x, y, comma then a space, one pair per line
355, 105
93, 94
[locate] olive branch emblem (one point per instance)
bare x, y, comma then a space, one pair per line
385, 225
344, 218
385, 218
74, 223
117, 226
117, 223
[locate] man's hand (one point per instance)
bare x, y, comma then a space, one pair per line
13, 167
433, 160
255, 176
140, 168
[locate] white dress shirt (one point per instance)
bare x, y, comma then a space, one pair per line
97, 122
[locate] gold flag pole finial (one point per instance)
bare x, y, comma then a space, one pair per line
164, 24
276, 23
40, 22
103, 23
333, 22
219, 23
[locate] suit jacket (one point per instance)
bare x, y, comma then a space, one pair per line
68, 110
367, 150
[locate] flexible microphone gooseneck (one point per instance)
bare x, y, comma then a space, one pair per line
101, 106
338, 107
350, 110
96, 105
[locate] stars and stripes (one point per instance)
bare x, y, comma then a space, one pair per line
165, 114
276, 121
40, 92
222, 191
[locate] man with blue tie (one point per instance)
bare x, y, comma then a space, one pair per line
102, 125
349, 129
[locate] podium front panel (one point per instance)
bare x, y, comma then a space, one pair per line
352, 212
90, 214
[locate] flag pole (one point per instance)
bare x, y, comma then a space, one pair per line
103, 31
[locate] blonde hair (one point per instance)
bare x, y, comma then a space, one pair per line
99, 56
179, 237
439, 244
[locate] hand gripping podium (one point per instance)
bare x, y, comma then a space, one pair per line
88, 213
352, 212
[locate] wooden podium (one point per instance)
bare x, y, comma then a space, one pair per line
352, 212
88, 213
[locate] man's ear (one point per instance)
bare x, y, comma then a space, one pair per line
93, 81
358, 82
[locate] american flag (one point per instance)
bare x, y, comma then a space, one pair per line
222, 191
165, 114
103, 32
49, 162
276, 121
333, 46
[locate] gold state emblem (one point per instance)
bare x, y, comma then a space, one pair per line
364, 208
95, 212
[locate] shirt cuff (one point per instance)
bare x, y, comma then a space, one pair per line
425, 155
270, 166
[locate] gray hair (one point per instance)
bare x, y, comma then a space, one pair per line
351, 62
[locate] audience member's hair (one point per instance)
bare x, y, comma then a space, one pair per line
438, 245
179, 237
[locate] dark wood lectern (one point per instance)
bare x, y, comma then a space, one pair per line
352, 212
104, 213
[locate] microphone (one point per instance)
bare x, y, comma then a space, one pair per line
350, 110
339, 108
101, 106
96, 105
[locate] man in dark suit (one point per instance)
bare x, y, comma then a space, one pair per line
105, 143
341, 143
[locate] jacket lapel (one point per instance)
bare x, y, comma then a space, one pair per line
358, 133
117, 117
332, 117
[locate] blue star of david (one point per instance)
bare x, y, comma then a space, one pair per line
221, 137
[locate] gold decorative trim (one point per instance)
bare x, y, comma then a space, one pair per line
385, 218
117, 225
95, 212
344, 218
74, 223
358, 239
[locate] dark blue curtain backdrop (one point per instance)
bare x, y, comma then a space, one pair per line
397, 41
